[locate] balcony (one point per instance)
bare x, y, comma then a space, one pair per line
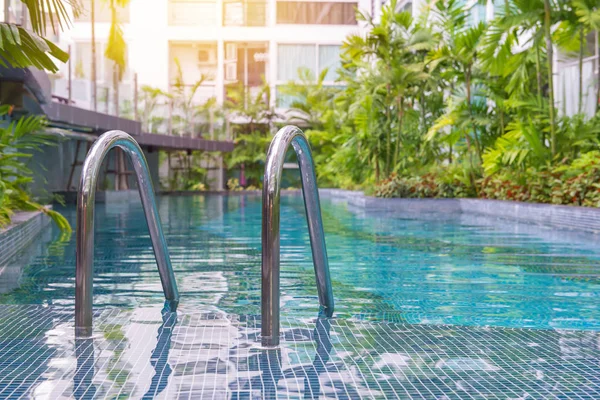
192, 13
316, 13
244, 13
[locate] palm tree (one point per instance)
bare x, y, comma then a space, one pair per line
22, 48
459, 45
588, 12
390, 74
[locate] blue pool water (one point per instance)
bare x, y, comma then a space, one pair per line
427, 306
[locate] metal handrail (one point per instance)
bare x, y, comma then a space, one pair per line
85, 225
270, 230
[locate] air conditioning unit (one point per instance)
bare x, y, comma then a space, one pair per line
207, 56
231, 72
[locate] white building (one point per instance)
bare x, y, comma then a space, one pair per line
228, 41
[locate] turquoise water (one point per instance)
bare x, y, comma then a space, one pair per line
419, 269
428, 306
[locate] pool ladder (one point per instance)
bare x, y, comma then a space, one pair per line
86, 196
270, 308
270, 230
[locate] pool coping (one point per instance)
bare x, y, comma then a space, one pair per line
585, 219
24, 228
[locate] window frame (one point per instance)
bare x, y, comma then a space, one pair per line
279, 83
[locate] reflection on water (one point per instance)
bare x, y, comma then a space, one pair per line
398, 280
87, 365
83, 386
418, 268
198, 355
160, 355
271, 371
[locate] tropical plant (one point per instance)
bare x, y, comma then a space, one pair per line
19, 139
446, 92
151, 98
252, 119
22, 48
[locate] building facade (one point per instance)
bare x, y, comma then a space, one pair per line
222, 42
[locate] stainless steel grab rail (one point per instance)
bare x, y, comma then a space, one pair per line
85, 225
270, 230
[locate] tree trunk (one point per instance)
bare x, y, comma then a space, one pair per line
94, 77
400, 102
580, 104
538, 73
598, 68
549, 61
470, 108
388, 128
423, 111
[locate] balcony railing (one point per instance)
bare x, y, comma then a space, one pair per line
192, 13
244, 13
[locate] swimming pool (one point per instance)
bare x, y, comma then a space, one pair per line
427, 306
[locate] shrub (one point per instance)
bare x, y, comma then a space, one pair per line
435, 184
18, 140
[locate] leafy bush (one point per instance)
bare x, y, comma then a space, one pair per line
438, 183
571, 183
575, 182
18, 140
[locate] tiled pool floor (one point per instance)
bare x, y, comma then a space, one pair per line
144, 353
427, 306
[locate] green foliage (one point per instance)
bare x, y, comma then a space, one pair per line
574, 182
252, 120
18, 140
436, 183
21, 48
444, 106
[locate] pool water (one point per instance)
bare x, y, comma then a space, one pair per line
427, 306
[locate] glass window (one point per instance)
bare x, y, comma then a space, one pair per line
102, 12
195, 60
329, 57
477, 14
499, 7
244, 13
316, 13
291, 57
83, 60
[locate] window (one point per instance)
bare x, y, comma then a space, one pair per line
192, 12
329, 57
104, 66
244, 13
16, 11
476, 13
195, 60
102, 12
316, 13
314, 58
292, 57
